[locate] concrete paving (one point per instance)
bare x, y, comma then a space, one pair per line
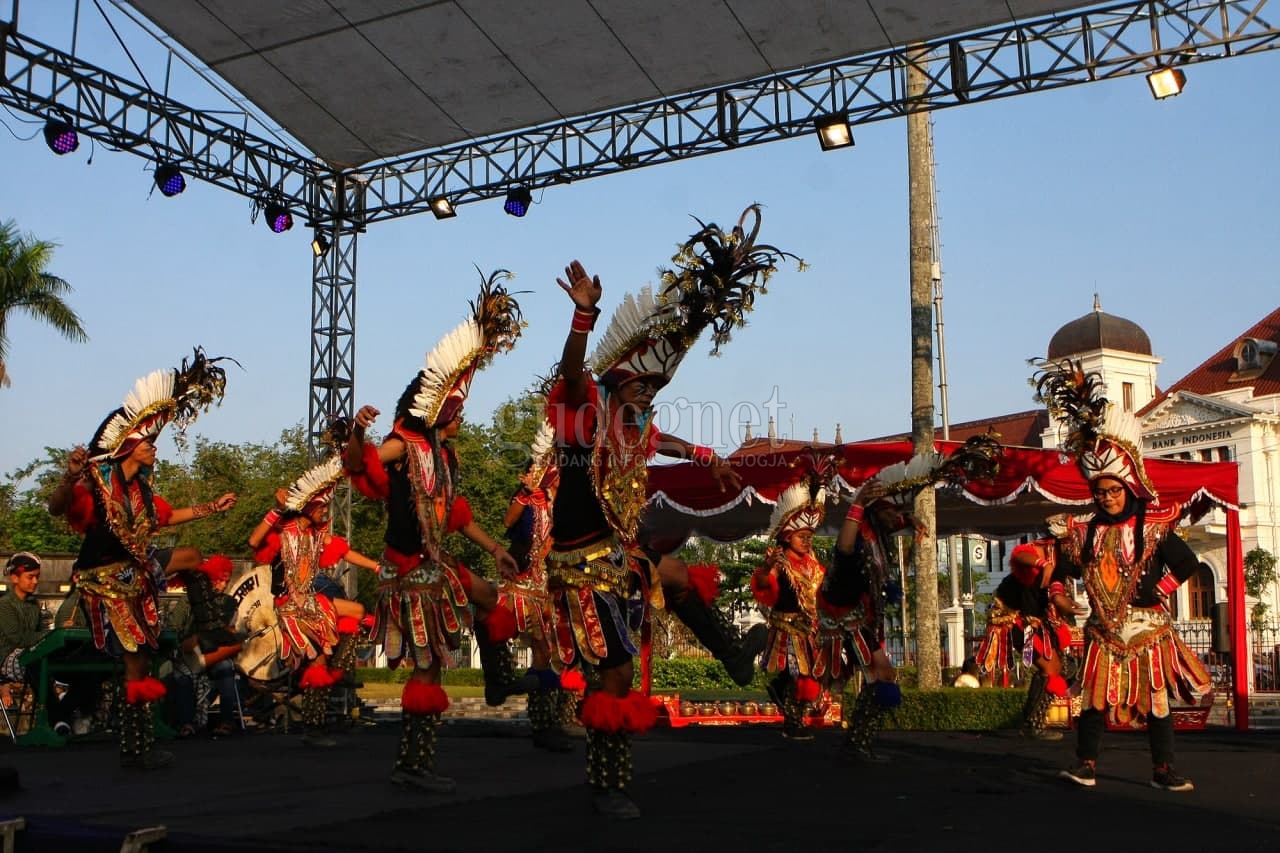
700, 788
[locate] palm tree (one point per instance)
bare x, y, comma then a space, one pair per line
25, 285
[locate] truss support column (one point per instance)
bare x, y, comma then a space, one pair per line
333, 321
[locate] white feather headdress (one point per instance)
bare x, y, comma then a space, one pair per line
157, 399
442, 386
316, 485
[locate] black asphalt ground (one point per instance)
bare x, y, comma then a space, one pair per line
701, 789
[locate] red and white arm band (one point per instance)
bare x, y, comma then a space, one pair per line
272, 518
1057, 588
584, 321
1168, 584
855, 513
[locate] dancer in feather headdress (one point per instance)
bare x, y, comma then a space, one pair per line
858, 588
786, 587
316, 630
106, 496
528, 522
1023, 624
1130, 559
602, 578
426, 596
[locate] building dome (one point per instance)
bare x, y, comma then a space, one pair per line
1098, 330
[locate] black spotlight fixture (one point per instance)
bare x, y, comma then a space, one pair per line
319, 243
518, 201
169, 180
278, 217
60, 137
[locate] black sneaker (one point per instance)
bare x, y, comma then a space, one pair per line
425, 780
799, 734
614, 804
1081, 774
1166, 779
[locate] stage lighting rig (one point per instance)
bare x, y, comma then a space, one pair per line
278, 217
169, 180
60, 137
518, 201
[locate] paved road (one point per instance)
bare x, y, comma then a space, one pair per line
740, 789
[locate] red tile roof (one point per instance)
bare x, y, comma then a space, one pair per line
1214, 375
1020, 429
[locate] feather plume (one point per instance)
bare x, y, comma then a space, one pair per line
494, 326
316, 484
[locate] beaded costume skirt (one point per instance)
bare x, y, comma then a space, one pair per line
120, 600
598, 603
421, 614
531, 603
790, 644
1134, 670
308, 629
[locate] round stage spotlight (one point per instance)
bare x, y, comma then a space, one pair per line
60, 137
169, 179
518, 201
279, 219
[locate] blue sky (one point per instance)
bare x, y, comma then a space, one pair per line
1167, 209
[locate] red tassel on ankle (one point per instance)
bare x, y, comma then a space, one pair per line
141, 690
500, 625
1056, 685
704, 582
571, 679
602, 712
418, 697
315, 677
807, 689
348, 624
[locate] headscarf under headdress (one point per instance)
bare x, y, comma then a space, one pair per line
714, 282
159, 398
1105, 440
436, 394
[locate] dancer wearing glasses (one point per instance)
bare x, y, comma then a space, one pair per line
1130, 560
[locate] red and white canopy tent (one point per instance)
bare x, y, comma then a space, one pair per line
1032, 485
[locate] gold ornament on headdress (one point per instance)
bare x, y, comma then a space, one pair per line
159, 398
713, 283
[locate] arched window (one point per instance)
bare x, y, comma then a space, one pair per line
1200, 593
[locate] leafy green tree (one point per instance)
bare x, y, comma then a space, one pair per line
26, 285
1259, 573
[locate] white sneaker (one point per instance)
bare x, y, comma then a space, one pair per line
62, 729
81, 727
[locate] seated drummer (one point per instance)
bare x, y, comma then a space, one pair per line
23, 624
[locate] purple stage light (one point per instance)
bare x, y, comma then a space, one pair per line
60, 137
279, 219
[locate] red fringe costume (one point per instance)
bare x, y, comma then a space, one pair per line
117, 572
307, 621
526, 595
1133, 658
602, 589
422, 609
116, 575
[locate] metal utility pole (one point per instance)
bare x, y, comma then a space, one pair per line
920, 214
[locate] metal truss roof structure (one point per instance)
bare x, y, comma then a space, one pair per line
1011, 58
